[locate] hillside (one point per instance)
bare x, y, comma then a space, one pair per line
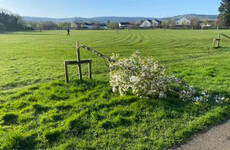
190, 16
99, 19
113, 19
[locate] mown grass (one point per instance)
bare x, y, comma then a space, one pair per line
89, 116
39, 111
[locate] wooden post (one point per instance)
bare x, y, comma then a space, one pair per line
90, 70
66, 73
79, 59
214, 43
218, 42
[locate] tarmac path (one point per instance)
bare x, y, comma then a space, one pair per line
217, 138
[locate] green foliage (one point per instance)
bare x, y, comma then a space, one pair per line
224, 10
10, 22
2, 27
63, 25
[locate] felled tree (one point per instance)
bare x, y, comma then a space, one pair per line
145, 78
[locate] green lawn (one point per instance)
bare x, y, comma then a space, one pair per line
39, 111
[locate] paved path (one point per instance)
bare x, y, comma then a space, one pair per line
217, 138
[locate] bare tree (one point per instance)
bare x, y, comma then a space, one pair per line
164, 24
206, 21
171, 23
132, 25
48, 25
78, 24
195, 23
63, 25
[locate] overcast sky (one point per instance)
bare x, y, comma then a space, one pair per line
95, 8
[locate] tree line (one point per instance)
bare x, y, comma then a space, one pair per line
10, 22
224, 16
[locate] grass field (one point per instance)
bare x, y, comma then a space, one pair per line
39, 111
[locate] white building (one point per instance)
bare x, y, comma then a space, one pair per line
183, 22
124, 25
203, 25
150, 23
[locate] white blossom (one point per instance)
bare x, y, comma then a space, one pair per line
146, 78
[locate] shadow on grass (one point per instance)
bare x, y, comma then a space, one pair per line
178, 120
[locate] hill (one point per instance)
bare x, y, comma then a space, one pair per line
98, 19
190, 16
113, 18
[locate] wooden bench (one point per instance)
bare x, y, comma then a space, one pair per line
74, 62
78, 62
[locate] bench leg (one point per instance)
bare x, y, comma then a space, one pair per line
66, 73
214, 43
90, 70
80, 73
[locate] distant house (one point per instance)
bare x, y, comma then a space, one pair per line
94, 26
150, 23
86, 25
183, 21
103, 26
203, 25
124, 25
207, 23
146, 24
156, 23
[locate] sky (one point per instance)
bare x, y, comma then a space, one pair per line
98, 8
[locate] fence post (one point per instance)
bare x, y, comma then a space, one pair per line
79, 59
